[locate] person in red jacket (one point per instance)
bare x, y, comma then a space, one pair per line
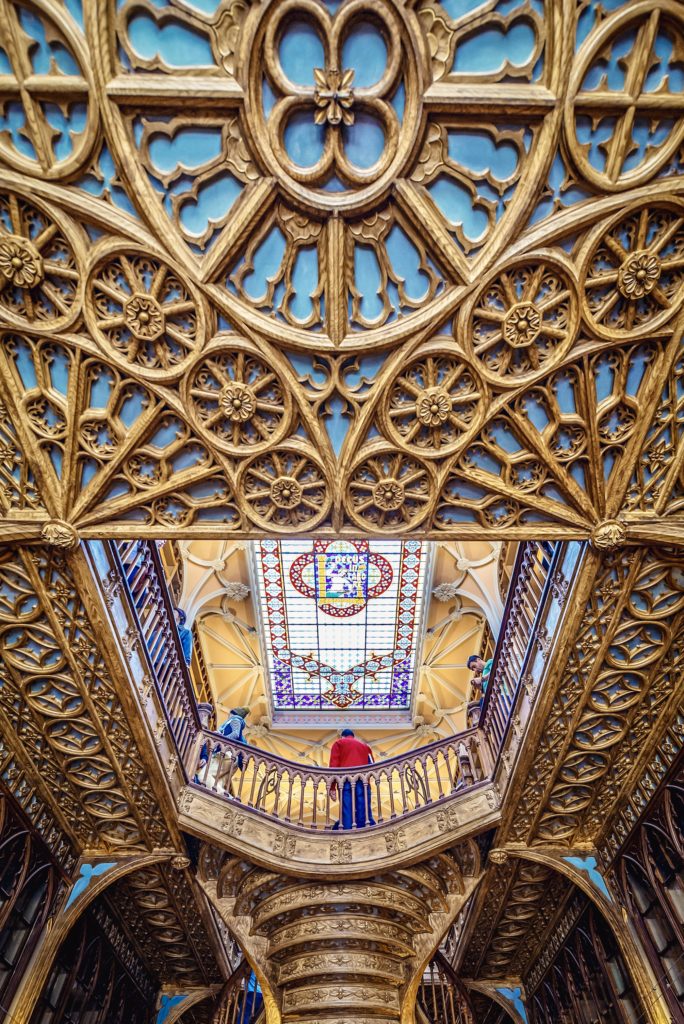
348, 752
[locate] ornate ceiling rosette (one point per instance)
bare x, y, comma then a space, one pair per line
142, 312
342, 228
324, 163
237, 400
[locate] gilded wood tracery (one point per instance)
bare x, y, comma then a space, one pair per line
255, 282
609, 729
70, 757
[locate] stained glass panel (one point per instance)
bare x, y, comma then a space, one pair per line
341, 621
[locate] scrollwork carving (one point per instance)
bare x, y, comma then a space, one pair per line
340, 851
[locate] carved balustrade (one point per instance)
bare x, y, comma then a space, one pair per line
199, 674
309, 797
143, 573
530, 584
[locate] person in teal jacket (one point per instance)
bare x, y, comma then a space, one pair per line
480, 669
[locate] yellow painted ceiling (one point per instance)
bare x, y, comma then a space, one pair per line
229, 630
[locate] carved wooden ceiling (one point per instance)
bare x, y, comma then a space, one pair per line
371, 266
612, 725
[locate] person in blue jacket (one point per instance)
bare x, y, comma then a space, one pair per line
184, 634
233, 729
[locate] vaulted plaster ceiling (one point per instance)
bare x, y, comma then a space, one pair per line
219, 598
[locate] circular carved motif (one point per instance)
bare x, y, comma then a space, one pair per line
143, 313
433, 406
522, 325
20, 263
433, 403
634, 276
357, 107
38, 270
60, 534
48, 96
523, 320
237, 400
638, 275
335, 122
389, 491
622, 107
284, 490
608, 535
388, 494
144, 317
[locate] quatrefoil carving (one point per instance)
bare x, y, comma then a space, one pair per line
326, 96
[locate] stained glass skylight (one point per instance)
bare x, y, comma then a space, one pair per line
341, 621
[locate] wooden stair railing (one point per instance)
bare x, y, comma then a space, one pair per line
442, 998
143, 573
530, 583
241, 1001
309, 797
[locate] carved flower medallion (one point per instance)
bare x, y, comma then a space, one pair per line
632, 273
639, 274
20, 263
433, 406
523, 320
142, 311
388, 494
237, 399
522, 325
286, 492
334, 96
237, 402
285, 489
144, 317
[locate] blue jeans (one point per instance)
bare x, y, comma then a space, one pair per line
357, 811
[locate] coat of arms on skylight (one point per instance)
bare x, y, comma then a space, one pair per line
341, 575
341, 621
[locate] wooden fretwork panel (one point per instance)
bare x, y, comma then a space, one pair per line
377, 267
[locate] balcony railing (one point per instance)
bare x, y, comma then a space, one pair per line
144, 575
530, 583
309, 797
